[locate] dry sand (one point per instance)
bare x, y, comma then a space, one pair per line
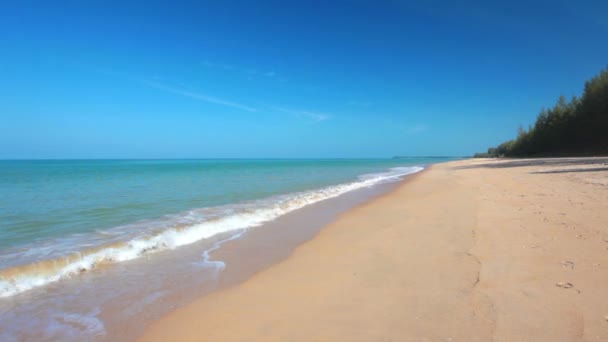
473, 250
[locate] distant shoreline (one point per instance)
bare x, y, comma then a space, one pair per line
429, 157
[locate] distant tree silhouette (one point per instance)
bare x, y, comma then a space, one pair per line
575, 127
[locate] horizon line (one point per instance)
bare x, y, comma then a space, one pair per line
227, 158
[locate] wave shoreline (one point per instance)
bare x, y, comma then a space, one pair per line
237, 218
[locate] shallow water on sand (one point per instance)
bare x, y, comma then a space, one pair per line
96, 249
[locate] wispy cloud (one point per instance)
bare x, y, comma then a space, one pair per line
304, 114
247, 71
199, 96
418, 128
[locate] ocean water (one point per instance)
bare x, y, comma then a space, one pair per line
74, 224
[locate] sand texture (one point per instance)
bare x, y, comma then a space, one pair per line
473, 250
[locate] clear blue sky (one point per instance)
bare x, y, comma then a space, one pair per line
120, 79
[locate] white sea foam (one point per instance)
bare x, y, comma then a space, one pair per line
235, 219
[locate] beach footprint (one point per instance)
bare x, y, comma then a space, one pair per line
568, 264
566, 285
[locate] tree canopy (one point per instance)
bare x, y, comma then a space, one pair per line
578, 126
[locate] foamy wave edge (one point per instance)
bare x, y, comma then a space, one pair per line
22, 278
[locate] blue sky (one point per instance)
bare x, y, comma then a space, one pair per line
120, 79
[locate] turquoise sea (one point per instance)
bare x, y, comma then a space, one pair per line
48, 199
62, 219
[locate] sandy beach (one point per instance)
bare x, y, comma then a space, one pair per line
472, 250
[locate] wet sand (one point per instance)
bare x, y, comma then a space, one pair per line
468, 250
254, 250
118, 301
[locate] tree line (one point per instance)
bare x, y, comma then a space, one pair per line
570, 128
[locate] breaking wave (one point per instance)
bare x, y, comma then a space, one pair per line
179, 230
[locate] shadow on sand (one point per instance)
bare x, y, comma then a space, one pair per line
595, 169
601, 162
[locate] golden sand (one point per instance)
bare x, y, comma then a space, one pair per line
472, 250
